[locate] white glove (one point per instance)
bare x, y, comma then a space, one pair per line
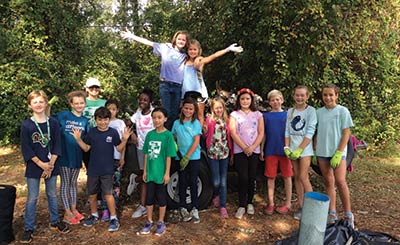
127, 35
235, 48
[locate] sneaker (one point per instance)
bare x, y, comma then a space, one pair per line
195, 214
297, 214
216, 201
132, 184
114, 225
224, 213
71, 220
332, 218
60, 227
350, 219
160, 228
146, 228
240, 212
283, 209
26, 236
269, 209
105, 217
250, 208
78, 215
139, 212
92, 220
186, 217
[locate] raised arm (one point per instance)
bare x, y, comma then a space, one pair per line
130, 36
201, 61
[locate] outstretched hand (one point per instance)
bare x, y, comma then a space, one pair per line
235, 48
127, 34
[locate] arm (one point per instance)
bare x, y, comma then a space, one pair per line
144, 168
130, 36
260, 136
234, 135
262, 147
167, 170
196, 142
201, 61
344, 139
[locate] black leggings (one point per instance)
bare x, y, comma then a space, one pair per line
246, 168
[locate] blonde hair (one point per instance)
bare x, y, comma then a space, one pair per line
224, 114
73, 94
274, 93
35, 94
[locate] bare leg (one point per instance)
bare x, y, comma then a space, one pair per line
93, 203
271, 190
340, 179
111, 204
150, 213
162, 211
329, 179
304, 166
297, 182
288, 191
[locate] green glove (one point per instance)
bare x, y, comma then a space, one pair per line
296, 154
53, 100
314, 159
184, 162
336, 159
287, 151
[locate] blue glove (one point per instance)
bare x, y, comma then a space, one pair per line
296, 154
184, 162
336, 159
287, 151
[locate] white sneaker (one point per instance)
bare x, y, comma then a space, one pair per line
240, 212
250, 208
195, 215
139, 212
132, 184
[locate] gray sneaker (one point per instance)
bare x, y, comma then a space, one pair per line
185, 215
240, 212
332, 218
250, 208
297, 214
195, 214
350, 218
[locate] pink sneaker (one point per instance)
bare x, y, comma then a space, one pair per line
78, 215
216, 201
224, 213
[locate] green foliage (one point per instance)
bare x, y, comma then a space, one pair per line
56, 45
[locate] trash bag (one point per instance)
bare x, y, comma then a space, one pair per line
341, 233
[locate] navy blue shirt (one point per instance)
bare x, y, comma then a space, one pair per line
102, 144
32, 145
274, 129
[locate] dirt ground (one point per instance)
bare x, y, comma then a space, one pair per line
374, 186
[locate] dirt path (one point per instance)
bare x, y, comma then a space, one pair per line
374, 185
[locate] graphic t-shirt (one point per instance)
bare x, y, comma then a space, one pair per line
71, 152
144, 124
172, 62
157, 147
246, 128
91, 106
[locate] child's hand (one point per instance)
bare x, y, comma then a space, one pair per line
336, 159
166, 178
235, 48
121, 162
261, 157
127, 34
76, 132
287, 151
144, 176
248, 151
296, 154
231, 160
205, 128
127, 133
184, 162
314, 159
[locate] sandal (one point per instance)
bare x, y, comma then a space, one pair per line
283, 209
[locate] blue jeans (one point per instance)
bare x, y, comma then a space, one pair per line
219, 170
170, 94
33, 195
191, 173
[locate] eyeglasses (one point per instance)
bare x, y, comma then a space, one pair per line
94, 87
245, 90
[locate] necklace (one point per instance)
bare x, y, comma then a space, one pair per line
45, 140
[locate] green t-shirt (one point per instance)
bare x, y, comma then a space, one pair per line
91, 106
158, 146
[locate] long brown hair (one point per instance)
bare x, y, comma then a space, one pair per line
241, 92
173, 41
189, 100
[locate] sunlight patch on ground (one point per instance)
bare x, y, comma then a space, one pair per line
282, 226
5, 150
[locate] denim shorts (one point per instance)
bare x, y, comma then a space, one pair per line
328, 159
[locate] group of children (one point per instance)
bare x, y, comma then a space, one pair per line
288, 139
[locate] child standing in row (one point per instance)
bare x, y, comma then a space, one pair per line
187, 130
101, 141
40, 146
219, 149
333, 132
273, 154
119, 158
300, 129
247, 130
144, 124
71, 158
158, 149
